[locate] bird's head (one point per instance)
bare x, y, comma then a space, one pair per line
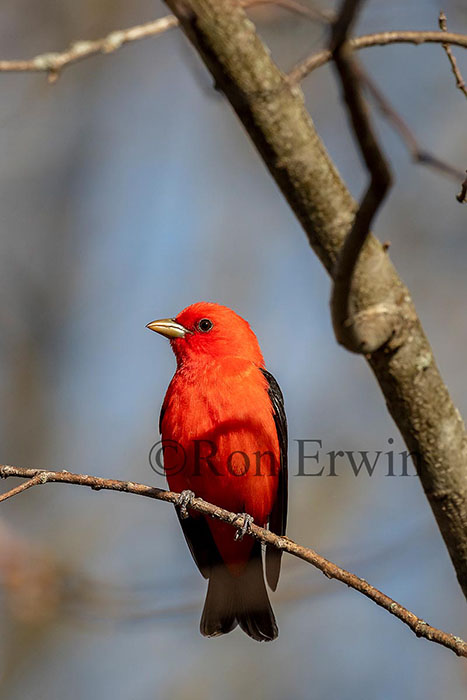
209, 330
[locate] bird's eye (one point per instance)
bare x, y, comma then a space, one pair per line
205, 325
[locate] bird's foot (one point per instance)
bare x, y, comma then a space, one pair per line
245, 527
184, 500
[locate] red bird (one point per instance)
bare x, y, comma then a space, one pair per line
224, 417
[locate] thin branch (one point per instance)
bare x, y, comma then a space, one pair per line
309, 64
53, 63
460, 83
462, 196
418, 154
370, 328
22, 487
417, 625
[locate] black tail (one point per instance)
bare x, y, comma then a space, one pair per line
239, 600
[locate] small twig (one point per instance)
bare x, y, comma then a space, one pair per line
318, 59
460, 83
417, 625
22, 487
53, 63
418, 154
462, 196
371, 328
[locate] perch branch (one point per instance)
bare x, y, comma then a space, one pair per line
417, 625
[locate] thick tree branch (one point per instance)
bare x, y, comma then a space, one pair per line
417, 625
273, 113
370, 329
460, 83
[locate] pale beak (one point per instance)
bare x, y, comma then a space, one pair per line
168, 327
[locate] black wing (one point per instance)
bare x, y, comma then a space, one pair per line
200, 542
161, 417
278, 517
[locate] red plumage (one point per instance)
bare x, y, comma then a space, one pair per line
226, 412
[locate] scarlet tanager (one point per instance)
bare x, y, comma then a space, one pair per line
224, 437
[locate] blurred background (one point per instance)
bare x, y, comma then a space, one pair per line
128, 191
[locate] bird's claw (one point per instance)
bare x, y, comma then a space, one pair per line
245, 528
184, 500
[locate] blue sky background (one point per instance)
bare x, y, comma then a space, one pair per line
129, 190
